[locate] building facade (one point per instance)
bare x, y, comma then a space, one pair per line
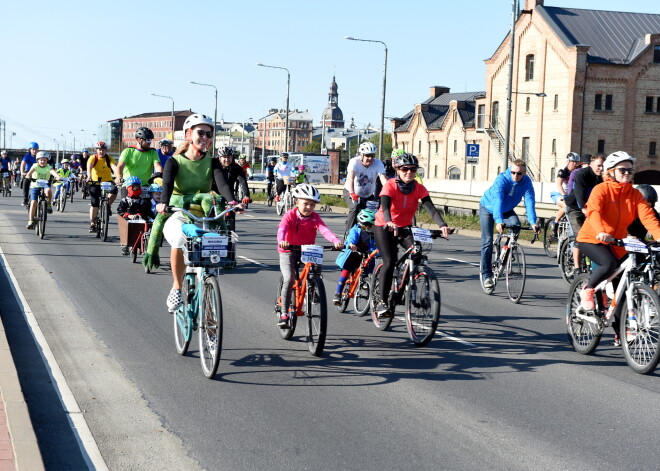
271, 131
159, 123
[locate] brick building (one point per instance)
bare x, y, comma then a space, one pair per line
159, 123
271, 133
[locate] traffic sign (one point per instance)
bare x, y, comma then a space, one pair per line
472, 150
472, 160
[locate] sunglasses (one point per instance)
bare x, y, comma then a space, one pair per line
208, 134
517, 173
625, 170
408, 169
371, 156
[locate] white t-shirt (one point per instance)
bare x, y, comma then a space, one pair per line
283, 169
364, 182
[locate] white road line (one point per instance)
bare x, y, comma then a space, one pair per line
252, 261
84, 437
449, 337
462, 261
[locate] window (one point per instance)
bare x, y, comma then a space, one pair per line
608, 102
436, 146
601, 146
649, 104
474, 172
598, 105
554, 146
525, 148
454, 173
494, 115
455, 146
556, 106
527, 104
480, 116
455, 115
419, 147
435, 172
656, 54
529, 68
652, 149
552, 174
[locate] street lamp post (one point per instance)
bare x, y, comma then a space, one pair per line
263, 145
57, 155
165, 96
288, 88
74, 140
64, 148
215, 113
243, 137
382, 109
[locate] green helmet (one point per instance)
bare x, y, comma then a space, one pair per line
397, 152
366, 216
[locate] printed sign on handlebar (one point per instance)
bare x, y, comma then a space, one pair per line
312, 254
215, 244
106, 186
372, 205
634, 245
42, 183
422, 235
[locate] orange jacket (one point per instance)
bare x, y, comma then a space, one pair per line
611, 207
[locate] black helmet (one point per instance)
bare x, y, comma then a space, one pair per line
144, 133
406, 160
226, 151
648, 192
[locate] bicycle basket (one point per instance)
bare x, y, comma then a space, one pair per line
210, 249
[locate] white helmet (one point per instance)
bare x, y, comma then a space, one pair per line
42, 154
617, 157
367, 148
307, 192
195, 119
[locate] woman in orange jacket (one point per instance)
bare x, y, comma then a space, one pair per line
611, 207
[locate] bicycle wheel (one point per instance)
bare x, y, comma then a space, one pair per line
584, 329
566, 260
279, 207
105, 220
316, 314
495, 267
143, 248
640, 338
381, 323
362, 297
286, 334
516, 273
550, 241
288, 201
210, 327
182, 321
63, 196
422, 305
43, 206
37, 222
73, 190
344, 297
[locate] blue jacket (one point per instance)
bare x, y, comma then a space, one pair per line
29, 161
505, 195
364, 241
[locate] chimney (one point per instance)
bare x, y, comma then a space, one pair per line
437, 90
531, 4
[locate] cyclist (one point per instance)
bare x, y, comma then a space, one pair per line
611, 208
133, 206
28, 161
234, 174
585, 181
156, 192
270, 176
298, 227
398, 203
165, 151
299, 175
140, 161
497, 206
64, 172
187, 179
282, 170
84, 158
636, 228
245, 165
41, 171
4, 168
100, 168
360, 186
360, 240
16, 169
561, 183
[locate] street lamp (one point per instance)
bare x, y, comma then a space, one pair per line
165, 96
382, 109
215, 114
288, 88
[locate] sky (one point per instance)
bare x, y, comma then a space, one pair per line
70, 66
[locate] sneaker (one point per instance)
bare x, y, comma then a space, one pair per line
30, 225
587, 299
174, 300
92, 228
284, 321
617, 340
124, 250
383, 310
571, 272
488, 282
49, 209
336, 299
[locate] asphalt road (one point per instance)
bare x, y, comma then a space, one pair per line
499, 387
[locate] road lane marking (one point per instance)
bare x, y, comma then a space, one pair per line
461, 261
455, 339
252, 261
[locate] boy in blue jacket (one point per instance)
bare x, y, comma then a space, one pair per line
497, 206
360, 239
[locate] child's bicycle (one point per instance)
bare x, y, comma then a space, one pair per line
415, 286
358, 287
635, 307
41, 215
201, 309
307, 298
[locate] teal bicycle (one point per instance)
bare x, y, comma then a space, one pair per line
204, 254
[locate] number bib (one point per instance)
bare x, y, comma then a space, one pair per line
42, 183
422, 235
215, 244
373, 205
106, 186
634, 245
312, 254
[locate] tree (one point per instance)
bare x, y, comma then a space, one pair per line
313, 147
387, 143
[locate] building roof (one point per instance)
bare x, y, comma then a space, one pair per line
158, 114
613, 37
434, 114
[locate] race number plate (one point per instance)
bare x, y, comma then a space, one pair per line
106, 186
42, 183
215, 244
422, 235
633, 245
312, 254
372, 205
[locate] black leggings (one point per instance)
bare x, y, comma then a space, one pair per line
388, 246
602, 255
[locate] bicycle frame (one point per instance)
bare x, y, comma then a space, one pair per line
355, 278
299, 287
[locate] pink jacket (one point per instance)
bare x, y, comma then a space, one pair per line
298, 230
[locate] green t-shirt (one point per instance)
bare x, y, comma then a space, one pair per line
40, 173
138, 163
193, 176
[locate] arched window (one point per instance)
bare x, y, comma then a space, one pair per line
529, 67
454, 173
527, 104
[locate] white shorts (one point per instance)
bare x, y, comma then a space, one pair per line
172, 230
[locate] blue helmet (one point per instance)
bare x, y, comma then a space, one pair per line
155, 188
33, 145
133, 181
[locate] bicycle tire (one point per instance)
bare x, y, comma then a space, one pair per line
550, 241
288, 201
143, 248
37, 222
381, 323
362, 297
583, 334
63, 195
641, 342
286, 334
343, 304
516, 273
279, 207
43, 206
495, 264
422, 305
566, 261
105, 220
182, 321
71, 193
210, 327
316, 315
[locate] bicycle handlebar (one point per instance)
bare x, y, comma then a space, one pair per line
297, 248
174, 209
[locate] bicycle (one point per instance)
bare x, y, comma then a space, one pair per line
358, 287
6, 184
510, 260
566, 261
102, 220
42, 208
414, 285
639, 329
285, 204
307, 298
201, 309
552, 242
84, 188
61, 199
272, 194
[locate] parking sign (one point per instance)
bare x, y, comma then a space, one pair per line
472, 150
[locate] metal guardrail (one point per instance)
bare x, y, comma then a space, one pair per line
444, 200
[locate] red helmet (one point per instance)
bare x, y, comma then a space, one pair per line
101, 145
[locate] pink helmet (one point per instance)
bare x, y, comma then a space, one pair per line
301, 167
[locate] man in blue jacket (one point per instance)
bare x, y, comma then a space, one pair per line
496, 207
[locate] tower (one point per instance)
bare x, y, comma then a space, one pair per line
332, 114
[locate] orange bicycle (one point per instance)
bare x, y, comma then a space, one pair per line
358, 286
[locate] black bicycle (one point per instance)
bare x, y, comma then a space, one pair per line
102, 220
